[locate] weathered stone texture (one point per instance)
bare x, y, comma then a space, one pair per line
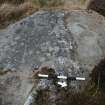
70, 42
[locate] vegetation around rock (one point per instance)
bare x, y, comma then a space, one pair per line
98, 6
13, 10
98, 76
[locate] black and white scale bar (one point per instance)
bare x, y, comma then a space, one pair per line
43, 76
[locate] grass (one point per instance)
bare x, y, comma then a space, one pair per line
50, 3
69, 98
98, 75
10, 13
14, 10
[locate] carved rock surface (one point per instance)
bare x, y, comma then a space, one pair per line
71, 42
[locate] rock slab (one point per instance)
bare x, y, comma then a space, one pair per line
72, 42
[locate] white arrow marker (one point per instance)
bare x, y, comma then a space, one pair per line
62, 84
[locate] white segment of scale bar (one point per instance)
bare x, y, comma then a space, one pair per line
42, 75
79, 78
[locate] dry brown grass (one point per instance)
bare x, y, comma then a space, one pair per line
13, 10
98, 75
11, 13
98, 6
12, 1
74, 5
66, 97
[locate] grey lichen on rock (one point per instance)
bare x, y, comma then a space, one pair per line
71, 42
